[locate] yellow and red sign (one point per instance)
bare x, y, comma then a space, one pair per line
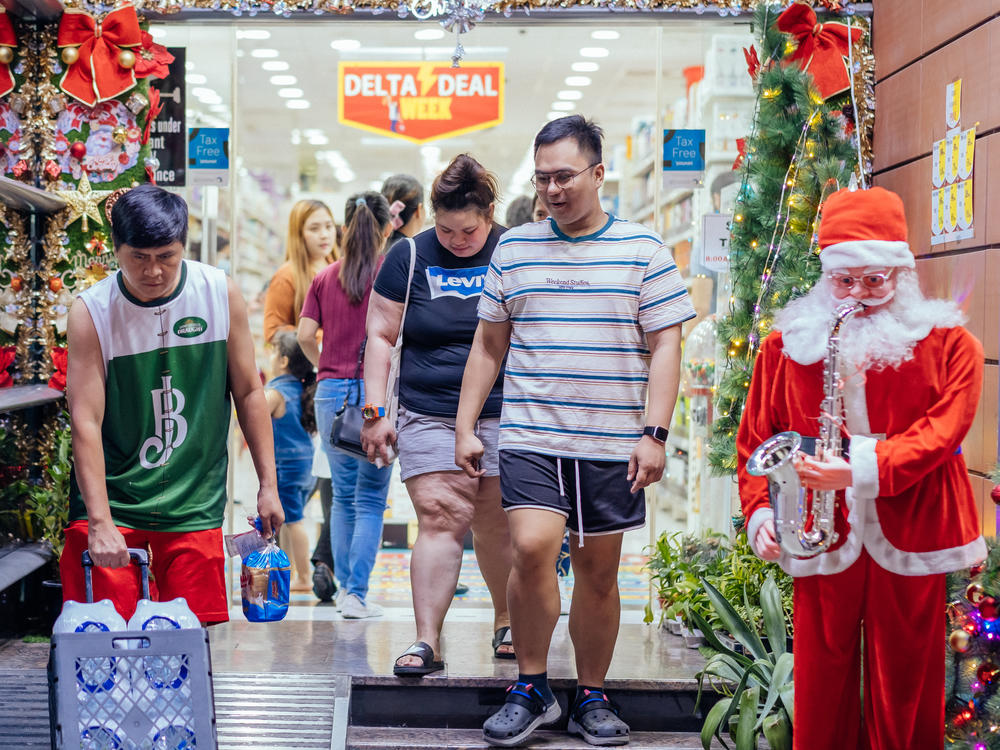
421, 101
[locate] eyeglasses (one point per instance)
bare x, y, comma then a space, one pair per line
562, 180
871, 281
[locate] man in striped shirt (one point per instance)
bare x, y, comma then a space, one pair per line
587, 308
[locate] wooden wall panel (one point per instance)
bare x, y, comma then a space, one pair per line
991, 311
961, 278
897, 113
946, 20
897, 33
980, 445
987, 510
912, 182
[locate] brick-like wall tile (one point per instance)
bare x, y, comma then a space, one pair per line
913, 184
897, 112
991, 313
961, 278
946, 20
897, 32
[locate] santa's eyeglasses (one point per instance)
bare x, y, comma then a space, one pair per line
846, 282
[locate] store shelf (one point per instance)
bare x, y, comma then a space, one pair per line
642, 167
23, 396
23, 197
674, 235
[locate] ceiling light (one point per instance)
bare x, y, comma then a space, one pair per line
268, 52
319, 140
274, 66
577, 81
201, 92
569, 95
297, 104
195, 78
188, 65
555, 115
157, 32
290, 93
585, 67
260, 34
428, 34
585, 52
344, 175
297, 137
563, 106
345, 45
284, 80
604, 34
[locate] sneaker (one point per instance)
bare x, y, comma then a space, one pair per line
323, 584
595, 719
565, 597
461, 589
522, 713
353, 608
338, 599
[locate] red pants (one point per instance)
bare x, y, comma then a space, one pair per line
182, 563
900, 620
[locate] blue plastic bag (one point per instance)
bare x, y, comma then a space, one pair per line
265, 580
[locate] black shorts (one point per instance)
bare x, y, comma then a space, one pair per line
607, 506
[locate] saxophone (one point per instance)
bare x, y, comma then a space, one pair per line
775, 456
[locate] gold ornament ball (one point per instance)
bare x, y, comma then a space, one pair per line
70, 55
119, 134
6, 55
974, 592
126, 58
959, 640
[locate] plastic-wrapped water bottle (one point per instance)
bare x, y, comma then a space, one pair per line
171, 671
97, 674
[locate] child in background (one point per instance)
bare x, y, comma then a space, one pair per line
290, 400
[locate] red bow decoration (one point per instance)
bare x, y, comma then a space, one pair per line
7, 354
58, 380
8, 39
741, 147
753, 62
822, 48
97, 75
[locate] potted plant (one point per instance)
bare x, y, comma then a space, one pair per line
677, 563
757, 684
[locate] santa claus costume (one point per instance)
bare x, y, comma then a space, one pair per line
873, 605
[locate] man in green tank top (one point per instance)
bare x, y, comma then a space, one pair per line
155, 352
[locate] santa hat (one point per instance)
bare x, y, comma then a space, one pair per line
863, 228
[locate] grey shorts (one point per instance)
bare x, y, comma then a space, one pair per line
427, 444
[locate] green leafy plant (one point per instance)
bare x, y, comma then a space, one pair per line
741, 580
677, 563
757, 684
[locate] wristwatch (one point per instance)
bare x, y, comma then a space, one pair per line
659, 434
371, 412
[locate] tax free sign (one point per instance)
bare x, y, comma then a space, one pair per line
420, 102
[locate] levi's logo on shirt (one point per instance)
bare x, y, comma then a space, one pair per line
456, 282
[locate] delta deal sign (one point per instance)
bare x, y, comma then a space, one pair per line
420, 102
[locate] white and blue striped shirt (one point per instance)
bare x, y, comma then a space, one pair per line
579, 307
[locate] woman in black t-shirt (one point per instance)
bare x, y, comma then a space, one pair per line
441, 319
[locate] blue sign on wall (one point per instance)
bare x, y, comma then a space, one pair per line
208, 156
683, 150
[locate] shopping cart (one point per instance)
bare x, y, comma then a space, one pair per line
132, 689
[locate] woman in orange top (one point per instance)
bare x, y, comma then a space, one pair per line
311, 247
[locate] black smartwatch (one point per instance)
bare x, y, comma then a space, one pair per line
659, 434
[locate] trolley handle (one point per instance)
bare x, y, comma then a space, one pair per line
139, 555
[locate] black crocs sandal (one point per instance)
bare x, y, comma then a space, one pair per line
522, 713
502, 637
595, 719
426, 654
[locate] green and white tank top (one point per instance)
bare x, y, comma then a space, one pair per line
167, 408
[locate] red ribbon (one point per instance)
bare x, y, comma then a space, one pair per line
741, 147
7, 354
822, 48
753, 62
154, 109
8, 39
58, 379
97, 75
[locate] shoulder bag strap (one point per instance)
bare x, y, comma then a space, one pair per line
356, 388
409, 283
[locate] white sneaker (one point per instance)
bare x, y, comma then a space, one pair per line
353, 608
338, 598
565, 597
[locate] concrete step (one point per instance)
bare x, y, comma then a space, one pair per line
396, 738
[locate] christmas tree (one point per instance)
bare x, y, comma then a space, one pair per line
801, 150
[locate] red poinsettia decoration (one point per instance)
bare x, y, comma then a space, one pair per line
741, 147
6, 360
753, 62
822, 48
152, 59
58, 379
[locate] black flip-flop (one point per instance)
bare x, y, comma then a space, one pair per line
502, 637
428, 665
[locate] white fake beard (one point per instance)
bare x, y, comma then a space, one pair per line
879, 339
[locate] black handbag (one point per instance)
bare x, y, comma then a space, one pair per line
345, 435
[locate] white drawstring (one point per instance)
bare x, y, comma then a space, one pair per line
579, 502
559, 474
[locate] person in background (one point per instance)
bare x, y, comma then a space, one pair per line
290, 399
579, 440
406, 204
405, 195
337, 305
451, 263
155, 352
539, 212
519, 211
311, 246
